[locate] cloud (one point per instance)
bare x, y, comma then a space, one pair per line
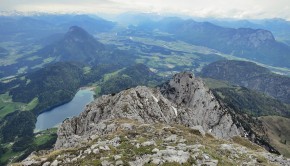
90, 6
205, 8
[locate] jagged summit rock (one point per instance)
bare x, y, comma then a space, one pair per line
199, 106
186, 101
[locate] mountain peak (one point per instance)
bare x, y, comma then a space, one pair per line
77, 45
78, 34
76, 29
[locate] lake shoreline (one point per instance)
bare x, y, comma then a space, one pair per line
74, 107
91, 88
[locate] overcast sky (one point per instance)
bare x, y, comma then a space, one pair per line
199, 8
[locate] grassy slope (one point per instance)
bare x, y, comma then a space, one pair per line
7, 156
7, 105
278, 131
44, 137
42, 140
214, 84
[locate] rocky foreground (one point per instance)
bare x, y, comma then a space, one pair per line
134, 143
180, 122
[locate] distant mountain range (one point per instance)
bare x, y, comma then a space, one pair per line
250, 75
47, 31
76, 45
255, 44
23, 28
279, 27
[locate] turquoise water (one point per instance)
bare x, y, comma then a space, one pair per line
56, 116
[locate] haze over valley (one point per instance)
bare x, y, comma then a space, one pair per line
144, 83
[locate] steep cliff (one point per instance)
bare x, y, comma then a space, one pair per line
199, 105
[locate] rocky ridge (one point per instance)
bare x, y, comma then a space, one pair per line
180, 122
186, 101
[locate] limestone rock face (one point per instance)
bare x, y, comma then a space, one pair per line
183, 100
143, 104
198, 106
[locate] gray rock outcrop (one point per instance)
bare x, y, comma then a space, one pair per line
183, 100
198, 106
